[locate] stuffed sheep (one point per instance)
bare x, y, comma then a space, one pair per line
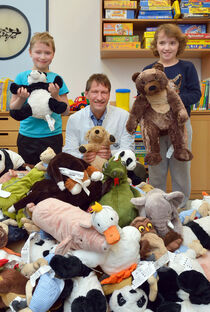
40, 104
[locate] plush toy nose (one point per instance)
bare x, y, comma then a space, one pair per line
96, 131
152, 88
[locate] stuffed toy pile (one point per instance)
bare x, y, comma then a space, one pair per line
92, 242
159, 110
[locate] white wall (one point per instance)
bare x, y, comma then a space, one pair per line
75, 26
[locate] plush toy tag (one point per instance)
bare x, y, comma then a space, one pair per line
3, 193
183, 260
51, 122
76, 176
25, 251
145, 269
170, 151
42, 270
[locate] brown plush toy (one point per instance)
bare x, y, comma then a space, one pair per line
151, 244
159, 110
96, 137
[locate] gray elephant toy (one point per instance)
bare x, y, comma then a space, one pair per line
161, 209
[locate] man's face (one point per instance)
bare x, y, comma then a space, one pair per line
98, 95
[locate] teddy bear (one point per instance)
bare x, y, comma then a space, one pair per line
45, 158
96, 137
159, 110
40, 103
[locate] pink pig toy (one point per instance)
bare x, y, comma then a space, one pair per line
69, 225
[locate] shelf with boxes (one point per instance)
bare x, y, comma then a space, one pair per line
9, 128
135, 27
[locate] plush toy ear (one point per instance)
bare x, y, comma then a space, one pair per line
135, 76
139, 202
158, 66
86, 224
175, 198
87, 135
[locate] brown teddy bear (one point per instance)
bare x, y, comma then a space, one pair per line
96, 137
159, 110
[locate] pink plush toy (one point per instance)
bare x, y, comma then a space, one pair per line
69, 225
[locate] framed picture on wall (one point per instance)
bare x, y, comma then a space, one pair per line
15, 31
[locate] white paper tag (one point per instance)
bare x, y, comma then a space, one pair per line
186, 262
145, 269
170, 151
42, 270
51, 122
25, 251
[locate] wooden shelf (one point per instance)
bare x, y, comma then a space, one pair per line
144, 53
139, 26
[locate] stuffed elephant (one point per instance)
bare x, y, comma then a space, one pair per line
161, 209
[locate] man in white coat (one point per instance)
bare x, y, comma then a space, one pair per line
98, 113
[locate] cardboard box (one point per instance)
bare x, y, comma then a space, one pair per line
118, 29
121, 45
146, 43
148, 34
120, 4
193, 28
122, 38
119, 14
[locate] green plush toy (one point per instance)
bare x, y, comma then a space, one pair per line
18, 188
119, 191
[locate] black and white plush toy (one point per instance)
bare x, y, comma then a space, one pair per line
10, 160
127, 299
40, 103
136, 171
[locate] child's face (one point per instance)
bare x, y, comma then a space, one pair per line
167, 48
42, 56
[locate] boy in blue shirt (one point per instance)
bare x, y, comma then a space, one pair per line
34, 134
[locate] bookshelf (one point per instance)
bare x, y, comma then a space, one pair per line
200, 173
139, 26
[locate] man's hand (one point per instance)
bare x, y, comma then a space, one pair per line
89, 157
104, 152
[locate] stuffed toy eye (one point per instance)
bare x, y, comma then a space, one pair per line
141, 228
149, 225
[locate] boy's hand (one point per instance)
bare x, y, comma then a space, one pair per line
54, 90
23, 93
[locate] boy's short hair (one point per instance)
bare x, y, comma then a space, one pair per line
100, 79
170, 30
43, 37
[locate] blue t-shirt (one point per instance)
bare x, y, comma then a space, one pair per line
35, 127
189, 91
